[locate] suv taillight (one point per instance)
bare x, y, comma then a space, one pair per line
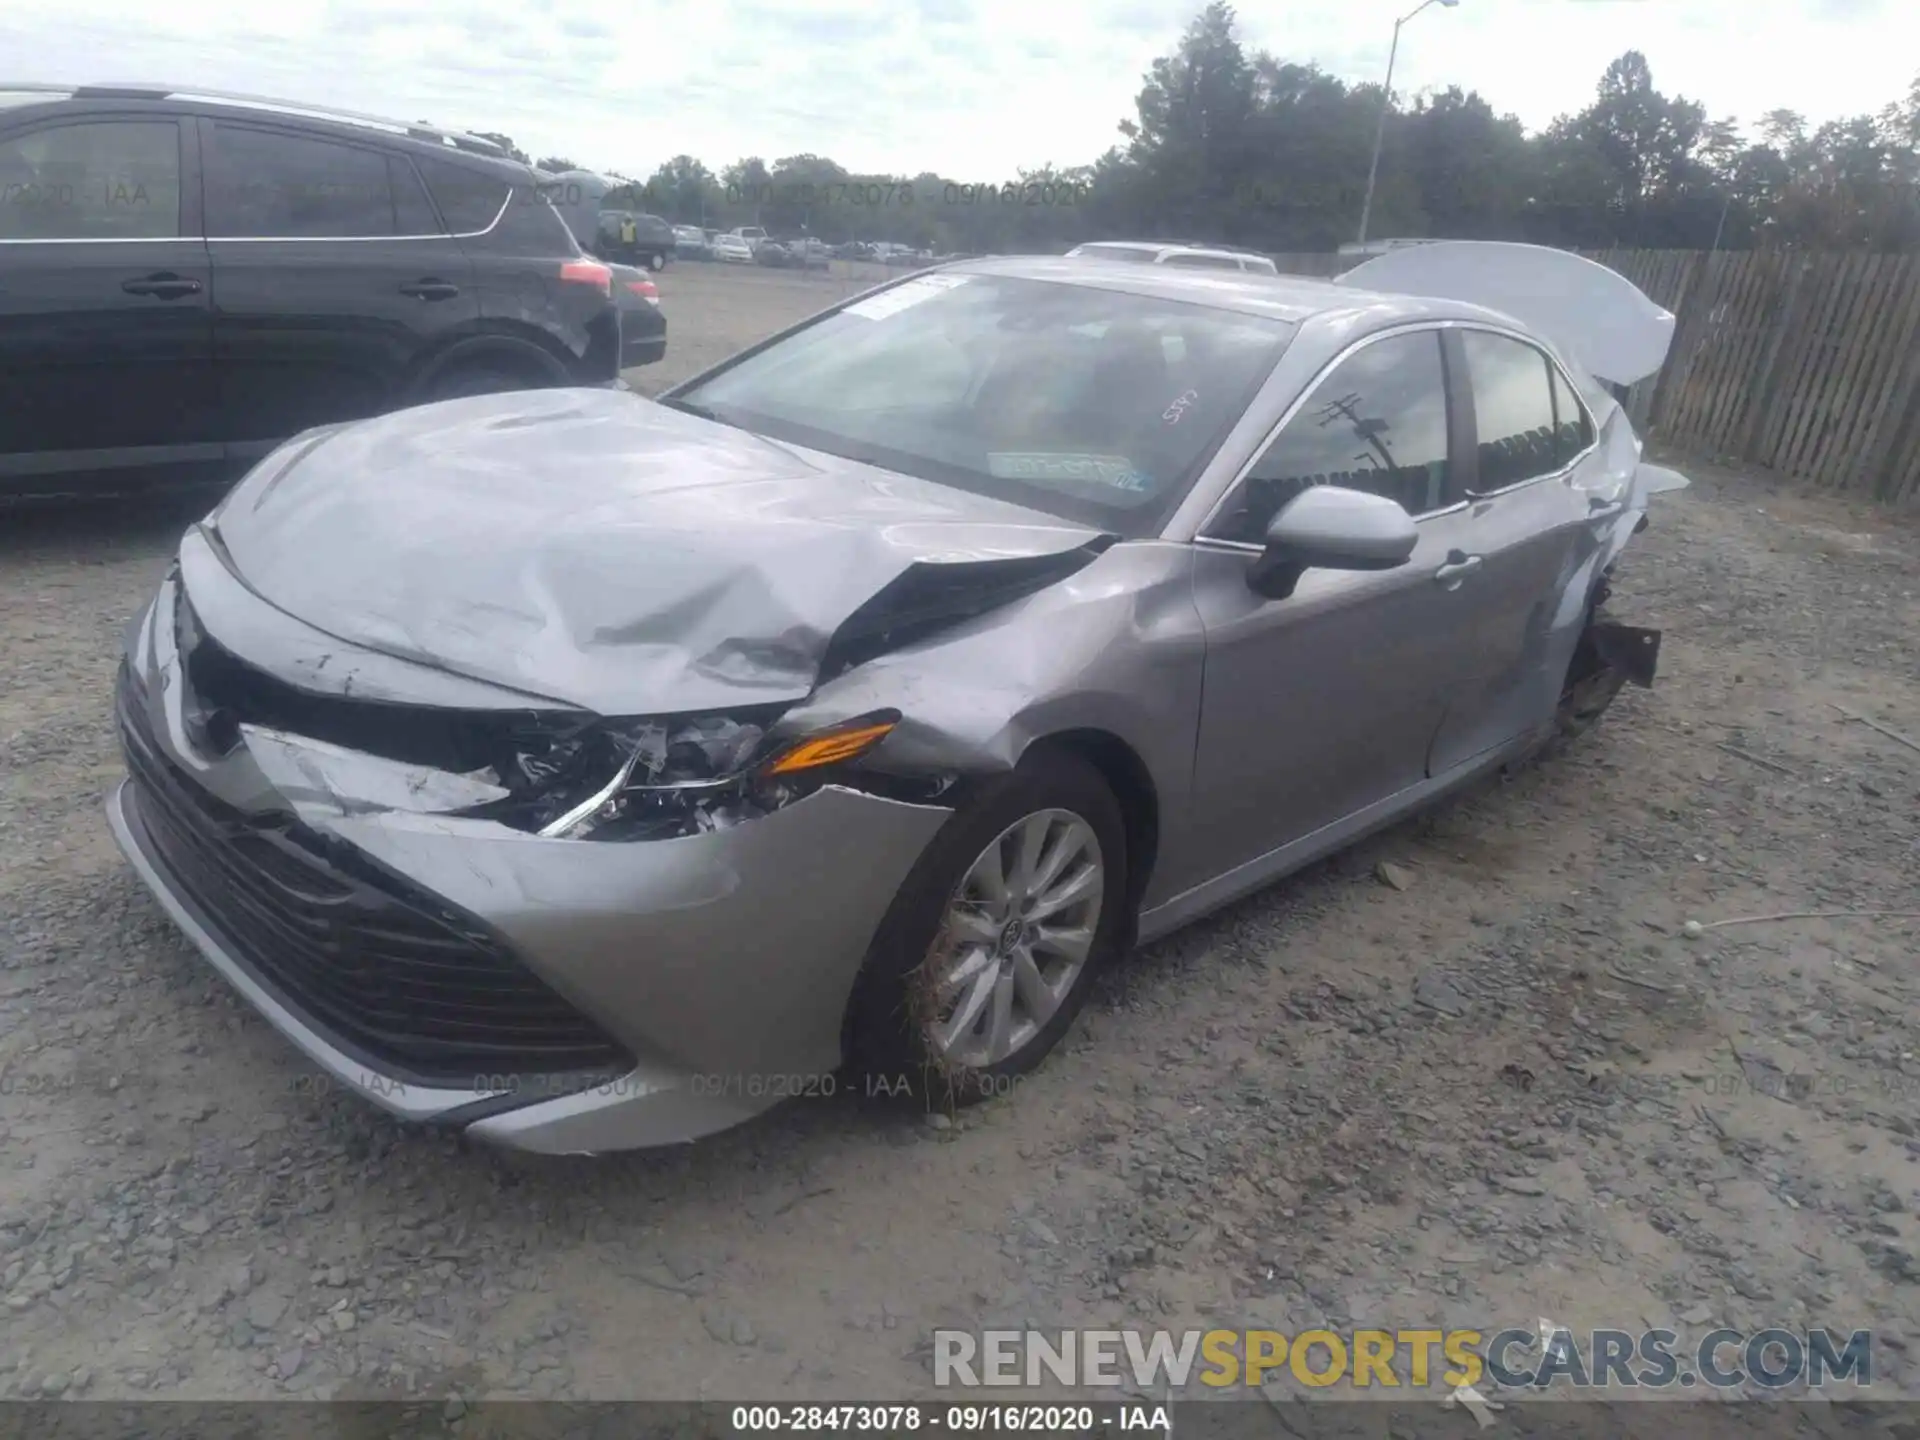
588, 272
646, 290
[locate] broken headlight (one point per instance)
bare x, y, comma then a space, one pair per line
659, 779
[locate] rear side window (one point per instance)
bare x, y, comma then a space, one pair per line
1377, 422
268, 184
1203, 262
1572, 430
469, 199
102, 180
531, 226
1513, 403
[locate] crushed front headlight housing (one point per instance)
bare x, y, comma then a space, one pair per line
659, 779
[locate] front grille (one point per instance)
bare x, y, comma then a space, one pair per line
386, 972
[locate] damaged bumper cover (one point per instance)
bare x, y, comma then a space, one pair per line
550, 994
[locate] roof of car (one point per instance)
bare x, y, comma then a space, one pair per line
1282, 297
31, 97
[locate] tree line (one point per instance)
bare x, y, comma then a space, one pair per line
1251, 149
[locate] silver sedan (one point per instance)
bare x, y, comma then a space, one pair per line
593, 772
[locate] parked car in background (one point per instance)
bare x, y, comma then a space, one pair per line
653, 241
776, 254
230, 272
809, 251
732, 248
808, 716
752, 234
1181, 256
643, 326
690, 242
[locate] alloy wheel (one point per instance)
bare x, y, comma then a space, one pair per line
1015, 937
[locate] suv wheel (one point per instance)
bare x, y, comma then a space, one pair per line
656, 261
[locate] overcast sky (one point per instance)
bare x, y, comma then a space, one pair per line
974, 89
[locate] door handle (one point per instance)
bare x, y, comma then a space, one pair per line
1457, 568
164, 286
430, 290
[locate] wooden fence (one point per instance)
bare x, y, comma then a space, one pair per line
1805, 364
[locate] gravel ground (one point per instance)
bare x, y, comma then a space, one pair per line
1509, 1085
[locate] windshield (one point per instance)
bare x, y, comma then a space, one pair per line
1092, 405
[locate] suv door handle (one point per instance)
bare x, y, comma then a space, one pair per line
431, 290
1457, 568
163, 286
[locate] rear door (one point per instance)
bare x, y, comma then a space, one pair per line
332, 278
106, 343
1522, 534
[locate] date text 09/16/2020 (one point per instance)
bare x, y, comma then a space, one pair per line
734, 1085
969, 1419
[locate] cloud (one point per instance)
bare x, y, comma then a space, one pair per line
977, 89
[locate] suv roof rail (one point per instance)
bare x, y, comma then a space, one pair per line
418, 130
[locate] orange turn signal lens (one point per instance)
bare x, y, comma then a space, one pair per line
833, 747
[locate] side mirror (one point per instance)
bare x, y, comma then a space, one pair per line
1328, 528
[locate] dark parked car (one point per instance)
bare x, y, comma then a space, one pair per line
653, 244
187, 279
643, 329
690, 242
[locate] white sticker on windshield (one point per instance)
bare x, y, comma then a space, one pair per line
1114, 471
903, 296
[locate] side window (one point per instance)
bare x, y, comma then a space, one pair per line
412, 211
1377, 422
469, 199
1513, 403
270, 185
1202, 262
102, 180
531, 226
1572, 430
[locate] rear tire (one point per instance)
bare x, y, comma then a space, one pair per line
945, 947
1591, 687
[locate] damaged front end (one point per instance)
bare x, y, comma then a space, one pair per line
568, 774
562, 775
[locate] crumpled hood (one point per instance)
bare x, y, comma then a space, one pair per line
597, 548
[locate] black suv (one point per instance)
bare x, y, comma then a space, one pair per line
188, 278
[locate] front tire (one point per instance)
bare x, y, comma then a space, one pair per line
656, 262
990, 949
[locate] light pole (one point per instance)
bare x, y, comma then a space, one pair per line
1386, 104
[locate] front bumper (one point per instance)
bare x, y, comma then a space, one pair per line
549, 995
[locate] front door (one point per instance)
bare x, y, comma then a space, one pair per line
1319, 705
106, 344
